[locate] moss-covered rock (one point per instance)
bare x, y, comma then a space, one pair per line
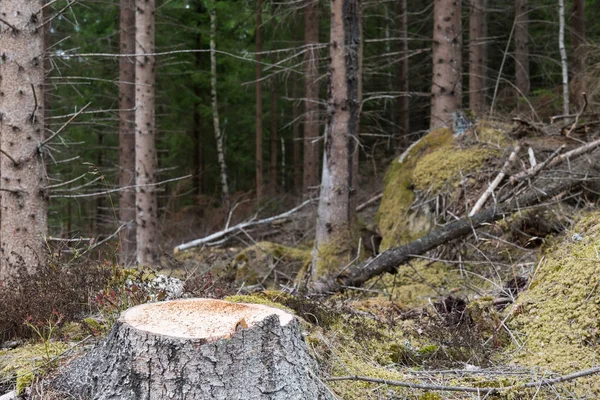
437, 162
558, 317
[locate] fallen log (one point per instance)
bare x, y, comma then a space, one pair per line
197, 349
391, 259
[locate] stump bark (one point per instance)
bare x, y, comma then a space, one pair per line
197, 349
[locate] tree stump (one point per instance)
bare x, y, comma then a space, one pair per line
197, 349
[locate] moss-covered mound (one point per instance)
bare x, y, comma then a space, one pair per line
556, 322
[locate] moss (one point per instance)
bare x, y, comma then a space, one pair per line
265, 298
23, 363
559, 316
434, 163
335, 254
74, 331
430, 396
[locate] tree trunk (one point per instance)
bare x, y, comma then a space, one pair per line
274, 142
297, 141
259, 129
446, 89
563, 55
311, 96
579, 51
215, 107
522, 47
336, 216
198, 156
402, 78
24, 201
145, 148
197, 349
477, 56
127, 133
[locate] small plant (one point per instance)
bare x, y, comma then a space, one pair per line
45, 330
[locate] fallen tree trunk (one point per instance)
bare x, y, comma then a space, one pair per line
391, 259
197, 349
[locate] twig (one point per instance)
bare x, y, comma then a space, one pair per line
534, 170
574, 125
65, 125
14, 28
501, 175
240, 226
369, 202
9, 157
483, 390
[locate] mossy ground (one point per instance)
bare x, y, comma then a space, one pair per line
557, 320
438, 162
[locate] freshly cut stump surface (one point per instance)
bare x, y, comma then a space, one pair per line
197, 349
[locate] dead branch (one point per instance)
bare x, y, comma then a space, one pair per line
238, 227
483, 390
369, 202
390, 260
501, 175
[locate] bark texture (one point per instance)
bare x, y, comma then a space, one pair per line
335, 213
477, 56
215, 107
563, 55
259, 124
446, 88
274, 142
522, 46
261, 359
24, 199
311, 96
297, 142
145, 146
402, 75
127, 132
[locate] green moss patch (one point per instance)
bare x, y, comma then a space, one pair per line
557, 320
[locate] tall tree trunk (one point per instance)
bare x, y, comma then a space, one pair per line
477, 56
402, 72
446, 89
297, 141
579, 50
563, 55
215, 107
336, 216
145, 145
100, 200
24, 199
259, 127
127, 133
311, 96
522, 47
197, 158
274, 143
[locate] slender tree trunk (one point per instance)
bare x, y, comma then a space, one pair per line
311, 96
579, 51
402, 71
522, 47
197, 158
336, 216
259, 127
477, 56
24, 199
127, 133
274, 142
215, 107
297, 141
100, 200
563, 55
145, 147
446, 90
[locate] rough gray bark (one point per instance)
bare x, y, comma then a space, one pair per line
446, 88
336, 213
145, 147
402, 75
522, 47
311, 96
215, 107
127, 132
477, 56
24, 199
246, 352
